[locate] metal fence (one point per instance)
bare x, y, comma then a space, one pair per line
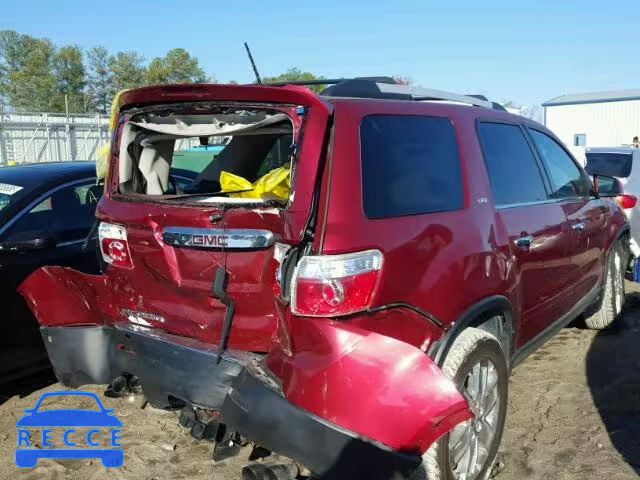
51, 137
57, 137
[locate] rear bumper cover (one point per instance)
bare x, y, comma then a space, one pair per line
267, 418
167, 366
343, 393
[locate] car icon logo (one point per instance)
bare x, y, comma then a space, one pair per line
65, 421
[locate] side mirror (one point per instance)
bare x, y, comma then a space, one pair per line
605, 186
27, 242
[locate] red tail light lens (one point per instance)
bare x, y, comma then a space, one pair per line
114, 245
627, 201
334, 285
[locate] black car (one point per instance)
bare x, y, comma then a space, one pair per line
46, 213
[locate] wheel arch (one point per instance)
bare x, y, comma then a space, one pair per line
624, 231
481, 315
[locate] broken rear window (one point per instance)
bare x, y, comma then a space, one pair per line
221, 155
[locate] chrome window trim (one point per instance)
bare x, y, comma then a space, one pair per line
39, 199
525, 204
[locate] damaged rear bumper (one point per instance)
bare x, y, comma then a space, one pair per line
169, 368
343, 402
329, 451
348, 403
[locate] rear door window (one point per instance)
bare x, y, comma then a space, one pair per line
514, 173
410, 165
610, 164
68, 213
566, 178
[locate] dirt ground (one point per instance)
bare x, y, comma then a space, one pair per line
574, 413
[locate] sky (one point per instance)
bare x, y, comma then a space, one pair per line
525, 52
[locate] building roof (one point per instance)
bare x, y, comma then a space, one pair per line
594, 97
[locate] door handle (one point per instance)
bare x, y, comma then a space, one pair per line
578, 227
524, 242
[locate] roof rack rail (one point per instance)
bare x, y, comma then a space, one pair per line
372, 88
330, 81
382, 87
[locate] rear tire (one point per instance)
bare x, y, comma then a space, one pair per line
477, 365
613, 296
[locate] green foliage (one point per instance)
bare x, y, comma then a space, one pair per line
177, 66
295, 74
100, 87
127, 70
37, 76
69, 73
28, 81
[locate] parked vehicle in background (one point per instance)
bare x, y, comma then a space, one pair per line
46, 212
622, 163
365, 323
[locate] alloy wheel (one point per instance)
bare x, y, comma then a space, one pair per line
471, 442
618, 282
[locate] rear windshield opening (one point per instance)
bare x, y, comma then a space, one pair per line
610, 164
220, 156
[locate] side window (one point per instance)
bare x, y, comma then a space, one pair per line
566, 179
513, 171
410, 165
67, 213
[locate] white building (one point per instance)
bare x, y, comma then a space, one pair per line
600, 119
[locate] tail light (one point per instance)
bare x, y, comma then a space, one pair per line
334, 285
627, 201
114, 246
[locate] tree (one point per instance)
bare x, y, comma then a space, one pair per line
177, 66
100, 87
534, 112
295, 74
28, 82
403, 80
127, 70
69, 72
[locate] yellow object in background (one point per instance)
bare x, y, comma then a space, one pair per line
102, 162
275, 185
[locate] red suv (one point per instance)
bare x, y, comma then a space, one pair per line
363, 323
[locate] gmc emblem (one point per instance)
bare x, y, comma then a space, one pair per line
217, 238
210, 240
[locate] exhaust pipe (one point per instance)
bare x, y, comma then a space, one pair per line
281, 472
134, 385
124, 385
254, 472
119, 387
